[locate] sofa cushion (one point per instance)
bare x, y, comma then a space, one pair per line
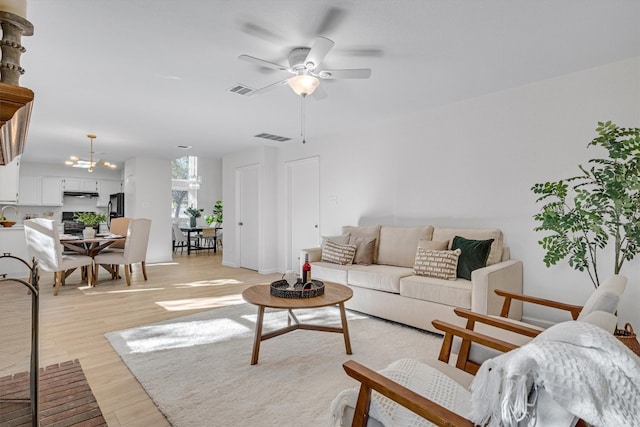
455, 293
337, 253
379, 277
440, 264
474, 254
398, 245
325, 271
433, 245
495, 256
365, 232
365, 249
342, 239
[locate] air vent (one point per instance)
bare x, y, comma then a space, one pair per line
272, 137
241, 89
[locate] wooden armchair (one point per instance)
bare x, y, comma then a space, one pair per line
471, 356
371, 380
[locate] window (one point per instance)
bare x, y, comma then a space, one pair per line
184, 185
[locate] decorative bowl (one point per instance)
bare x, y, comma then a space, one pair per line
7, 223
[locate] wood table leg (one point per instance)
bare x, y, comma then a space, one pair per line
258, 336
345, 328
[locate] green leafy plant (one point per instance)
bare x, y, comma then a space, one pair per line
584, 212
216, 214
194, 212
90, 219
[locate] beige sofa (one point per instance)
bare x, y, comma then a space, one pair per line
389, 289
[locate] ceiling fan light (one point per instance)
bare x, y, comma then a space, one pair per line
303, 84
68, 162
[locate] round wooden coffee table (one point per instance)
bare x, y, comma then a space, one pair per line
260, 295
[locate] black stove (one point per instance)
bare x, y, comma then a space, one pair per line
71, 226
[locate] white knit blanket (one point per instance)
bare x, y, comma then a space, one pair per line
423, 379
585, 369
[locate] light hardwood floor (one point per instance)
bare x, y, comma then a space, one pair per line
73, 324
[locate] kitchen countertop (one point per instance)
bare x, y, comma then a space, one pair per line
15, 227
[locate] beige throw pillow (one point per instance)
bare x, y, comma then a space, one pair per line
433, 245
365, 248
438, 264
337, 253
342, 239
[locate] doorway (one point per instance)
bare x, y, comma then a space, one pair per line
303, 208
248, 215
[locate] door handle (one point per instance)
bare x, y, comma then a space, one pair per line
240, 223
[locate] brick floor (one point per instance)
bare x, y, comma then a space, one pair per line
65, 398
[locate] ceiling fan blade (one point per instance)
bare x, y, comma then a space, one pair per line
356, 73
318, 51
331, 20
319, 93
270, 87
263, 63
261, 32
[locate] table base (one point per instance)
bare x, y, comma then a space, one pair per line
259, 337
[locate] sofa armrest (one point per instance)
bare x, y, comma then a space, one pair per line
505, 275
315, 254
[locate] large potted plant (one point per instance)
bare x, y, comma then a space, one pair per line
216, 216
597, 209
92, 221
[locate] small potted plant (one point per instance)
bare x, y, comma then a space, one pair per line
194, 214
91, 220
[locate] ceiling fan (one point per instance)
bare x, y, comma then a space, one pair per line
304, 64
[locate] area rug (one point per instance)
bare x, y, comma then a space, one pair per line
197, 368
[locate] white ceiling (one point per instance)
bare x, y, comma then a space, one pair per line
149, 75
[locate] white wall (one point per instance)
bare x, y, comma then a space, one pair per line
147, 187
473, 163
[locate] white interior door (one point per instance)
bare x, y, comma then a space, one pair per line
303, 190
248, 193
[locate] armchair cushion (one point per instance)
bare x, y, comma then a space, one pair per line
434, 380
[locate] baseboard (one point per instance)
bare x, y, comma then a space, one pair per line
229, 264
269, 271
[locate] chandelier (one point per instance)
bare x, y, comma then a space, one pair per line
89, 165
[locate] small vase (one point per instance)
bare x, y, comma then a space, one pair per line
89, 232
192, 222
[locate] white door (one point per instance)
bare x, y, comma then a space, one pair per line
303, 206
247, 195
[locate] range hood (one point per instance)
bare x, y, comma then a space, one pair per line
81, 194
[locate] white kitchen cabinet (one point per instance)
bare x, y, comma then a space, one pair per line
30, 191
12, 240
107, 187
80, 184
51, 191
9, 180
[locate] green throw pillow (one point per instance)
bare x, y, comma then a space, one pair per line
474, 254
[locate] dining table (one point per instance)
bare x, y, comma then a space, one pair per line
90, 247
198, 230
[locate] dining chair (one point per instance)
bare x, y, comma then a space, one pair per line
43, 243
208, 238
118, 226
135, 249
179, 239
